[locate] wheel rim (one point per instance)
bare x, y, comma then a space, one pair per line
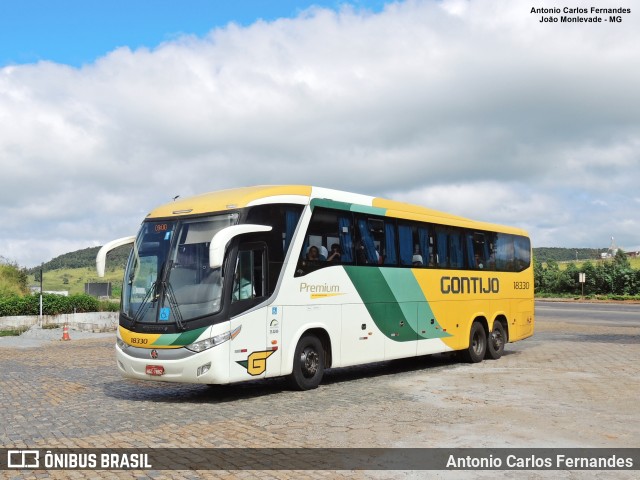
497, 341
477, 345
310, 361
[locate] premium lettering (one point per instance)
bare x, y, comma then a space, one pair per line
319, 288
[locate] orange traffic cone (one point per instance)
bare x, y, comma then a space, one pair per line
65, 332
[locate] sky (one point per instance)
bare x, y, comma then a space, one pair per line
474, 107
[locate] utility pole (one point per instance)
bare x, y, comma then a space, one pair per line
41, 297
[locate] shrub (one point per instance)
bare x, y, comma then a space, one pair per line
51, 304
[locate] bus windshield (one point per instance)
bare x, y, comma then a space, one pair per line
168, 278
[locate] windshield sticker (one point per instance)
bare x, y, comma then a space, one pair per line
256, 363
165, 313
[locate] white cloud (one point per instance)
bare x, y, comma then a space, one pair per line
469, 106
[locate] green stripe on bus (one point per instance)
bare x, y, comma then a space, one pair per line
179, 339
349, 207
383, 306
320, 202
369, 210
394, 297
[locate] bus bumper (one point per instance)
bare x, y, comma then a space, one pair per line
174, 365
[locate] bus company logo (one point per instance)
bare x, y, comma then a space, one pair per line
154, 354
463, 285
23, 459
256, 363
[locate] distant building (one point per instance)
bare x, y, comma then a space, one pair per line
631, 254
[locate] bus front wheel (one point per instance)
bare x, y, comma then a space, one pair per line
477, 344
308, 364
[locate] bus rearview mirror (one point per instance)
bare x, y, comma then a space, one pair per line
101, 257
220, 240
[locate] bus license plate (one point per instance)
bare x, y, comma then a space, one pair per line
155, 370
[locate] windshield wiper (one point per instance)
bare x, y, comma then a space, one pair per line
171, 297
167, 290
144, 305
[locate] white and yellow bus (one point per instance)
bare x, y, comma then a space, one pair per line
272, 281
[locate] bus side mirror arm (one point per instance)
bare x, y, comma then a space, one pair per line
101, 257
220, 240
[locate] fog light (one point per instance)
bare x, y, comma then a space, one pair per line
204, 369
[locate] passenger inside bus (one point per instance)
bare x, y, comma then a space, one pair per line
313, 254
335, 255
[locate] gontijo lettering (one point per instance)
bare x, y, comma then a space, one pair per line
469, 285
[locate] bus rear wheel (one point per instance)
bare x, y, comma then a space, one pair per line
495, 342
477, 344
308, 364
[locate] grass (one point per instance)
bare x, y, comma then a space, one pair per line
635, 263
50, 326
13, 332
73, 280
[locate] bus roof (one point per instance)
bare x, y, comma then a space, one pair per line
236, 198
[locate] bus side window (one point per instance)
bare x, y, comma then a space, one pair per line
328, 241
376, 244
522, 252
504, 253
249, 279
405, 243
479, 247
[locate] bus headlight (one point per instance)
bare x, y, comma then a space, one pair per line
208, 343
121, 344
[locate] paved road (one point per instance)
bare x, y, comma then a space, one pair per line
613, 314
574, 384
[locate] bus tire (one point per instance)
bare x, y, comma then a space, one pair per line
477, 344
308, 364
495, 342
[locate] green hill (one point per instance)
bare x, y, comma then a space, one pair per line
72, 270
85, 258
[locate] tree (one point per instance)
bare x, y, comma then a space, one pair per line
538, 275
590, 274
13, 279
621, 260
570, 282
555, 280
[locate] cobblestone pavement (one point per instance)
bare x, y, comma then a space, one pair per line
568, 386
